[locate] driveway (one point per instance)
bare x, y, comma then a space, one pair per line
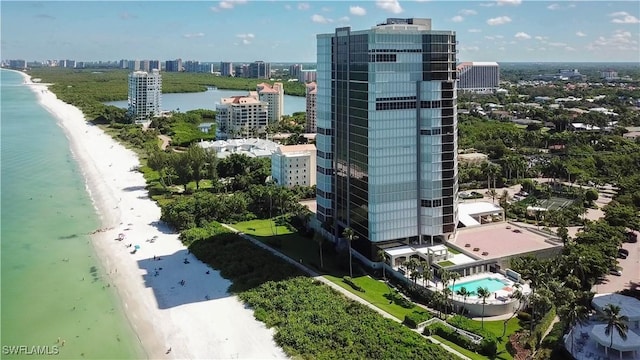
630, 272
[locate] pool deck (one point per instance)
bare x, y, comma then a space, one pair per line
498, 297
501, 240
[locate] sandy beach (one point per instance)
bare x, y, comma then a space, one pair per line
173, 301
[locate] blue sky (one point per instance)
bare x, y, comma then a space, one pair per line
284, 31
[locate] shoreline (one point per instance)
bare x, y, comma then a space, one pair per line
195, 319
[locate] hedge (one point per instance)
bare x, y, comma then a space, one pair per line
536, 337
451, 335
489, 344
356, 287
412, 320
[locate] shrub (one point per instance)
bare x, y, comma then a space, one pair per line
489, 344
539, 330
355, 286
451, 335
524, 316
414, 319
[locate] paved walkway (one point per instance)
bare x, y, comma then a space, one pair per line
337, 288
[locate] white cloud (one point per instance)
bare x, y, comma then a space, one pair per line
469, 48
619, 40
509, 2
246, 38
317, 18
623, 17
487, 4
581, 34
344, 19
392, 6
193, 35
499, 37
541, 38
357, 10
326, 9
490, 37
457, 18
303, 6
557, 44
474, 30
467, 12
553, 7
569, 48
288, 7
522, 36
500, 20
228, 4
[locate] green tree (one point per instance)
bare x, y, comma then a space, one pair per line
350, 236
382, 257
615, 322
573, 314
464, 293
483, 293
197, 158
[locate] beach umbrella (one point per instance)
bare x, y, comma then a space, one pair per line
137, 247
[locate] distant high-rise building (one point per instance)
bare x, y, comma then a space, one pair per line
145, 95
145, 66
609, 75
259, 70
18, 64
478, 76
173, 65
294, 165
274, 96
239, 70
134, 65
294, 71
307, 76
387, 134
311, 117
226, 68
124, 64
154, 64
242, 116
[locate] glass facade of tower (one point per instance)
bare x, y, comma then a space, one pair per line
387, 133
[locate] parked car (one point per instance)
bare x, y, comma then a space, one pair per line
624, 252
615, 272
622, 256
632, 237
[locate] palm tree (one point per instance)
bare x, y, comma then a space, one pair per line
350, 236
615, 321
447, 292
320, 240
483, 293
453, 276
382, 256
427, 275
464, 293
445, 276
493, 193
573, 314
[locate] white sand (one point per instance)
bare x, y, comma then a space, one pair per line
163, 313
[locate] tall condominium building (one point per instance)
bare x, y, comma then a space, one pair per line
478, 76
134, 65
307, 76
294, 71
311, 117
242, 116
387, 134
241, 70
173, 65
154, 64
18, 64
259, 70
145, 95
124, 64
226, 68
274, 96
294, 165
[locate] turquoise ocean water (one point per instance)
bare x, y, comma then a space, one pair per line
52, 283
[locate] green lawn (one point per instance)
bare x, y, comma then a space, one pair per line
453, 251
294, 245
375, 292
262, 227
468, 353
496, 327
445, 263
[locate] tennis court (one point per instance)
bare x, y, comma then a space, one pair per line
555, 203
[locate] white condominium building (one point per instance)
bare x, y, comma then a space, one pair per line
311, 97
145, 95
242, 116
294, 165
478, 76
274, 96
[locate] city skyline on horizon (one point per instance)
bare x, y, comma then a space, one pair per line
496, 30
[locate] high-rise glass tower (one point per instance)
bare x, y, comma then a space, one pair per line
387, 134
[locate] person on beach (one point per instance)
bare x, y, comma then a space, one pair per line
168, 351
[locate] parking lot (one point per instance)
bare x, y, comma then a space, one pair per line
630, 277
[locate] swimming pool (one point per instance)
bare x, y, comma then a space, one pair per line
472, 286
